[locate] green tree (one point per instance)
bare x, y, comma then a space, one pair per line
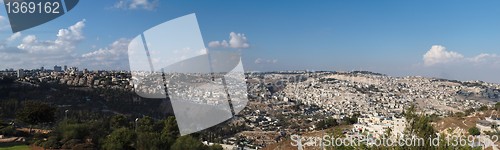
419, 125
170, 131
388, 132
145, 124
469, 111
73, 131
122, 138
34, 113
483, 108
187, 143
119, 121
350, 120
459, 114
51, 143
326, 123
8, 131
474, 131
149, 141
99, 130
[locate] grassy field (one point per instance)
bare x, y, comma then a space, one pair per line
18, 147
13, 146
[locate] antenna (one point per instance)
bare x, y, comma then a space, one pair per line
228, 95
147, 53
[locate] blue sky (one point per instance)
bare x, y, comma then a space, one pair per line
386, 36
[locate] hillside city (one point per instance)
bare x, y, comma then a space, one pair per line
284, 103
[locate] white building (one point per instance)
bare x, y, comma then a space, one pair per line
488, 125
376, 126
20, 73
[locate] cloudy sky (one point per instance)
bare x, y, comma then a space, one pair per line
447, 39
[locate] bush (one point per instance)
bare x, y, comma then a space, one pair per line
39, 135
51, 143
483, 108
122, 138
188, 143
73, 131
71, 143
8, 131
149, 141
474, 131
327, 123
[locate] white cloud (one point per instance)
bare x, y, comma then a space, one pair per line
13, 37
137, 4
113, 57
258, 61
438, 55
482, 58
66, 41
117, 48
223, 44
185, 53
4, 43
33, 52
29, 39
265, 61
236, 40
